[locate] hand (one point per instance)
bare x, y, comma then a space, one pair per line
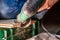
24, 24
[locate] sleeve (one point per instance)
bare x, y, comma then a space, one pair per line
29, 9
10, 8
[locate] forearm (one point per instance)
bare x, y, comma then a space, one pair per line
47, 5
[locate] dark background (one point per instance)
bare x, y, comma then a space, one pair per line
51, 19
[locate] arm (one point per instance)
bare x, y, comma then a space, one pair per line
31, 7
47, 5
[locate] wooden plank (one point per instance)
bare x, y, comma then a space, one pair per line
9, 23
